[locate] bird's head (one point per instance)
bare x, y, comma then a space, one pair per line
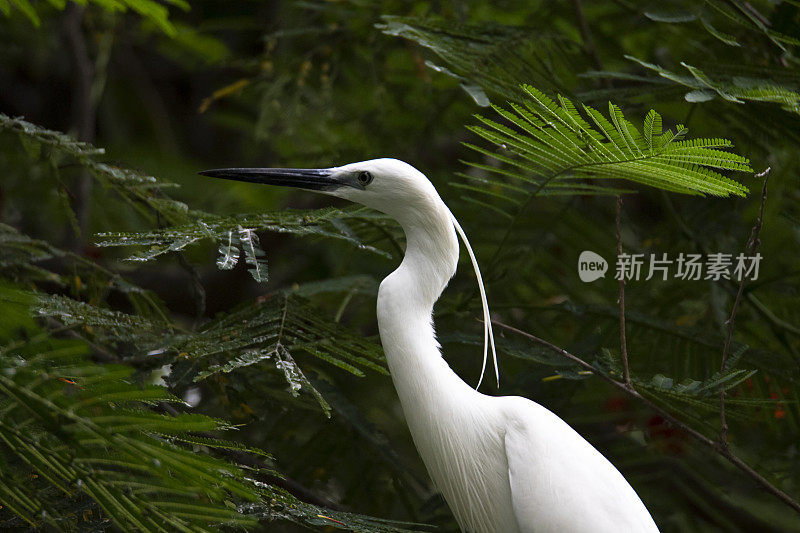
387, 185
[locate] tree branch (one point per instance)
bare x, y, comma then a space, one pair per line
623, 343
198, 291
751, 247
714, 445
586, 36
83, 109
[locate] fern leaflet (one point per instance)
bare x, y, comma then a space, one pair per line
555, 148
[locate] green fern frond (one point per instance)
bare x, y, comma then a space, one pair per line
283, 506
70, 312
737, 14
734, 84
271, 332
358, 284
84, 444
253, 254
218, 444
708, 388
548, 147
652, 128
488, 58
143, 193
228, 252
79, 435
257, 333
232, 232
19, 255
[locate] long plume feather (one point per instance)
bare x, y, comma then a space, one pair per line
488, 334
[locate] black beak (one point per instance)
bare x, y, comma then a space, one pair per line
314, 179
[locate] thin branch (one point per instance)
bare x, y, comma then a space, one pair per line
385, 232
586, 36
198, 291
713, 444
750, 12
751, 247
496, 255
153, 103
623, 342
83, 109
771, 317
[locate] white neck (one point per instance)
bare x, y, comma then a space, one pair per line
405, 306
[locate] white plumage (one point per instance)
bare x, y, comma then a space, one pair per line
503, 464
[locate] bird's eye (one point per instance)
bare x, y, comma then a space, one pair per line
364, 178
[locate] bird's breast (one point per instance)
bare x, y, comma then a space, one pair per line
462, 446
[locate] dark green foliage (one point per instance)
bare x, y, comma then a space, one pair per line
141, 294
735, 83
290, 325
153, 11
142, 192
83, 430
76, 435
492, 57
680, 395
137, 471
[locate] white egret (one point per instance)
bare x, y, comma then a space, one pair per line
504, 464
